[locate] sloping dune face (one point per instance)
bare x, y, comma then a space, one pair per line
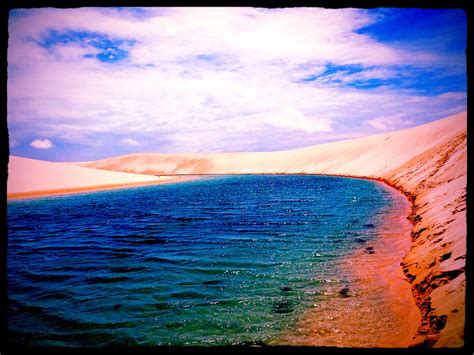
435, 265
27, 177
375, 156
428, 163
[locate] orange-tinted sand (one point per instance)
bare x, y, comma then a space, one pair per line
427, 163
381, 311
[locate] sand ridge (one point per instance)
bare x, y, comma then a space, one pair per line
35, 178
428, 163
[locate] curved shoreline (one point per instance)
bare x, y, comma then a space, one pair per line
418, 336
392, 245
377, 308
403, 303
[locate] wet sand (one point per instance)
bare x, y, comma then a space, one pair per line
374, 307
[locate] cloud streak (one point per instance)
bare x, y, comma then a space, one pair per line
216, 79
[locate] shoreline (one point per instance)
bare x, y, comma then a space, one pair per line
422, 329
376, 287
431, 281
396, 288
391, 246
94, 188
412, 217
398, 297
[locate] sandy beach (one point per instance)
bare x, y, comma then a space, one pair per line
427, 163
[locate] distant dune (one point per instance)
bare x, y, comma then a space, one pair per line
428, 163
29, 177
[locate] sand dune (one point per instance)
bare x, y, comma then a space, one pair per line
427, 163
377, 155
29, 177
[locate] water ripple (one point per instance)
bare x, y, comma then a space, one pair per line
227, 260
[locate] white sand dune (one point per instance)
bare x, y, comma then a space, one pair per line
378, 155
428, 163
29, 177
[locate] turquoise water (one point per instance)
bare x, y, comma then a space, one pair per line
222, 260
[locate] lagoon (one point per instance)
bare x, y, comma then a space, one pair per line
215, 261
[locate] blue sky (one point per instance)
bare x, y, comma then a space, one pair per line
109, 50
90, 83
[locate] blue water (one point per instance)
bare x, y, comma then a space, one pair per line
223, 260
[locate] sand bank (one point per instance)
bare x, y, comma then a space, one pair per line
427, 163
34, 178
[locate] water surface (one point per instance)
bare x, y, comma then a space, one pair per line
223, 260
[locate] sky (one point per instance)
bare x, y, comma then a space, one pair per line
91, 83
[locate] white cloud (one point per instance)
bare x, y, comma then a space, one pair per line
42, 144
129, 141
197, 76
291, 118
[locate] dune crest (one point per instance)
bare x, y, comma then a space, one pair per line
428, 163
